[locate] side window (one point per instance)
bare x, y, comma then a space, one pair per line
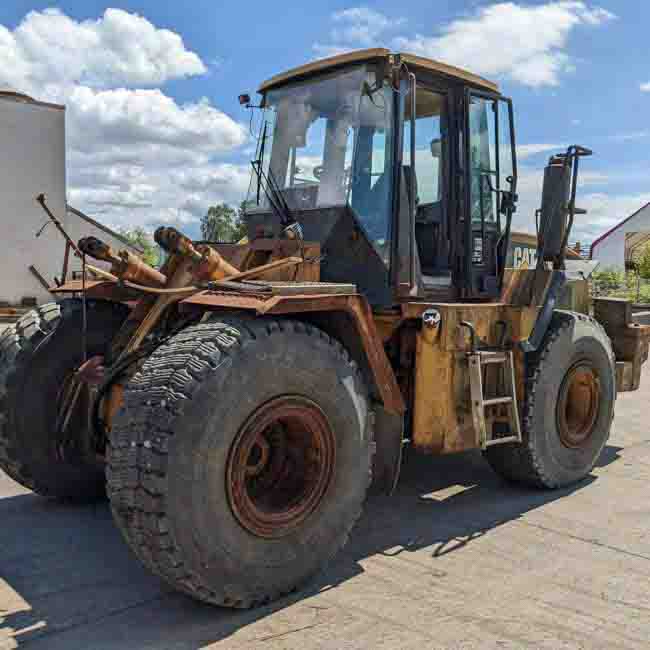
482, 159
429, 134
491, 166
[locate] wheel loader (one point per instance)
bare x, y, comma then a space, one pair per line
238, 403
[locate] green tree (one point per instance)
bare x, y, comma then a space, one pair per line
223, 223
643, 262
142, 240
241, 220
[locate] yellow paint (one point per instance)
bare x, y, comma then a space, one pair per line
386, 324
442, 418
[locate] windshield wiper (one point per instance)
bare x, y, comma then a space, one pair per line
273, 194
270, 186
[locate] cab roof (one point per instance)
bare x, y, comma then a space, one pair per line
359, 56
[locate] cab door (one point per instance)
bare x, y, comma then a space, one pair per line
430, 169
490, 179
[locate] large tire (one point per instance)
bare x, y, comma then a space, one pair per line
567, 416
172, 465
36, 356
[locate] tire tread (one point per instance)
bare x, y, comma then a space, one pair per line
137, 460
521, 463
18, 345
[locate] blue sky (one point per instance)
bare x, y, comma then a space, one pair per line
155, 133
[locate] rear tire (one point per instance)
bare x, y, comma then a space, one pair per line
570, 395
36, 356
241, 458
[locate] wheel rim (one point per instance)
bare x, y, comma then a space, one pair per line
280, 466
578, 405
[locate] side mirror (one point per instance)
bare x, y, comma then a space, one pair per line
245, 99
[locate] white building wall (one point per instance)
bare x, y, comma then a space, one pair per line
610, 252
32, 146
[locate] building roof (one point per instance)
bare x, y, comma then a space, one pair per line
359, 56
12, 95
616, 227
104, 228
530, 239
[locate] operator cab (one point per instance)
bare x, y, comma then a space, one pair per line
403, 169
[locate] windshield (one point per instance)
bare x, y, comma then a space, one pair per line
328, 142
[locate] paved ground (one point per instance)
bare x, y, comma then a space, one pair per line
455, 560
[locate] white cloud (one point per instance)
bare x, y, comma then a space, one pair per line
49, 48
126, 138
323, 51
527, 150
645, 87
357, 27
603, 210
606, 210
135, 117
633, 135
525, 43
217, 177
522, 42
362, 25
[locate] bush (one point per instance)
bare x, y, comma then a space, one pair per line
608, 280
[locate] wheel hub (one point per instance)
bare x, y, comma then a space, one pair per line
578, 405
280, 466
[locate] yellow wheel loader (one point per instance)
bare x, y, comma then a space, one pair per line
244, 398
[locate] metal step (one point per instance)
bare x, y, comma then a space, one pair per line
502, 441
497, 400
492, 357
477, 361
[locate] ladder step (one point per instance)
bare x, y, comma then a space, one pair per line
502, 441
493, 357
477, 362
497, 400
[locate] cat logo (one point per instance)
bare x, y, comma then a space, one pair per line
524, 257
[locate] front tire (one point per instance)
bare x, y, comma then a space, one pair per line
37, 356
241, 458
570, 395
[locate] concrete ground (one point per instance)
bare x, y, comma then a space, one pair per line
456, 559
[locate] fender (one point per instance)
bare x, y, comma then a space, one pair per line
349, 319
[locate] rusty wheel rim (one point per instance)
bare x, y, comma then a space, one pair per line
280, 466
578, 405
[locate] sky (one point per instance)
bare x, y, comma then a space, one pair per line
155, 133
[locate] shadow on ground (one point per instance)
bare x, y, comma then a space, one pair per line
80, 587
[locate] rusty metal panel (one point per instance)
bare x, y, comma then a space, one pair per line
442, 416
628, 376
76, 285
484, 316
229, 300
97, 289
442, 413
525, 286
264, 250
629, 340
